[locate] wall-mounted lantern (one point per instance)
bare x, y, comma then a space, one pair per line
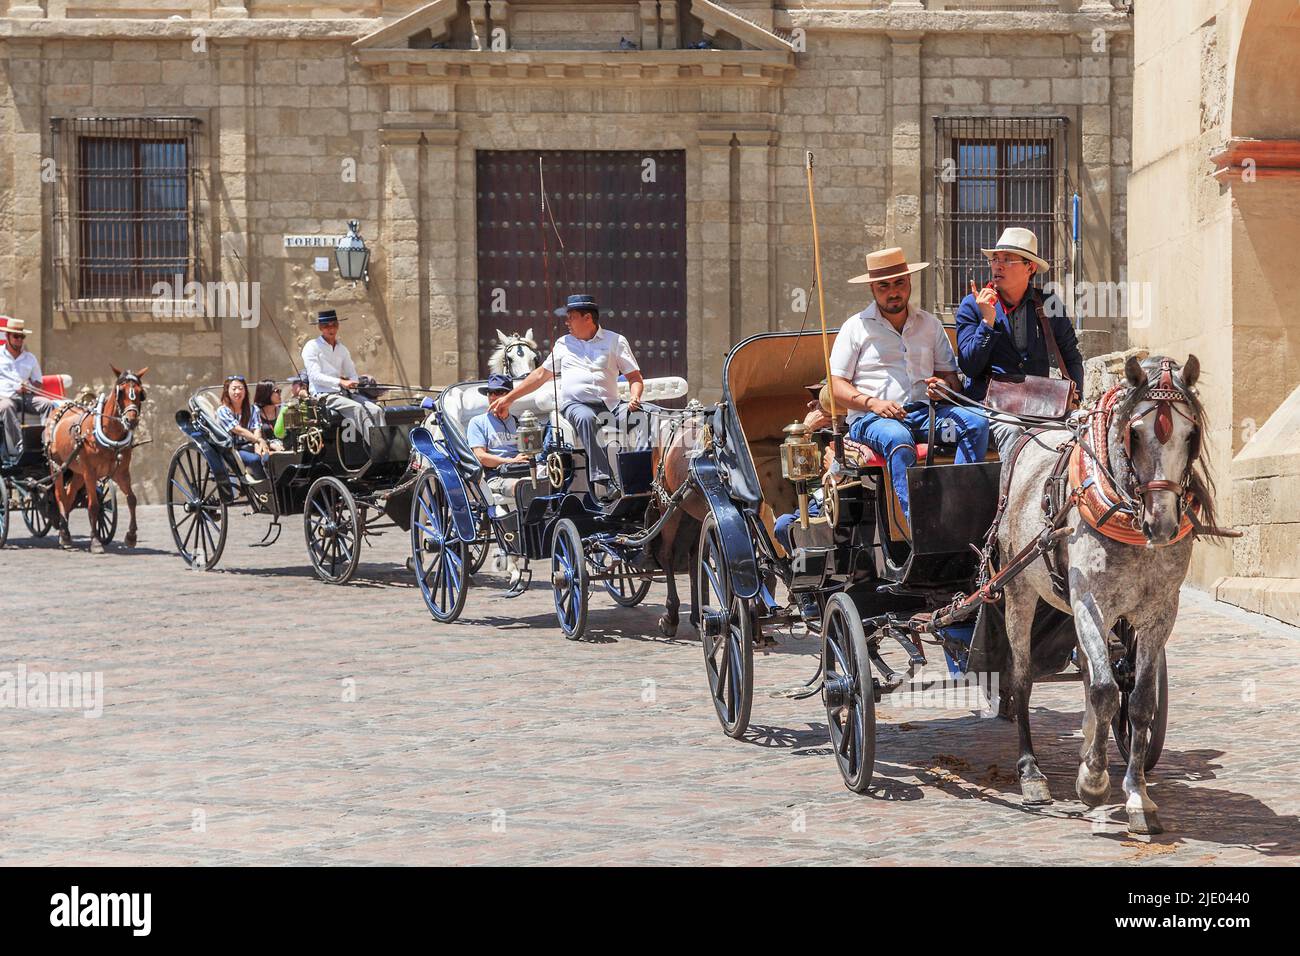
353, 256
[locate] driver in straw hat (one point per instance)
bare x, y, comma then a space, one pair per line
887, 365
20, 380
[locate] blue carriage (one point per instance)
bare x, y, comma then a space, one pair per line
541, 511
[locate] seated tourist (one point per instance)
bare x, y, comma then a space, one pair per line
494, 442
266, 400
887, 366
242, 424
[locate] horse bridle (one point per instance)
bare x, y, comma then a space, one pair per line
518, 343
129, 382
1167, 397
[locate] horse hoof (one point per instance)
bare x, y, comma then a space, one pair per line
130, 541
1093, 791
65, 543
1144, 822
1034, 792
667, 628
96, 547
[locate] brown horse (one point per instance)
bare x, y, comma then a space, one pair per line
677, 544
94, 444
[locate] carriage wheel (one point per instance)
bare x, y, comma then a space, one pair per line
4, 511
106, 526
629, 587
478, 550
437, 555
1119, 724
848, 692
332, 523
727, 633
195, 510
569, 579
35, 504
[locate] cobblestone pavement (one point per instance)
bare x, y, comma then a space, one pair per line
256, 716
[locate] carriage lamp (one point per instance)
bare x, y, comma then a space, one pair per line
352, 255
529, 435
800, 463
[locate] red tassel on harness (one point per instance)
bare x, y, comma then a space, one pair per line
1165, 409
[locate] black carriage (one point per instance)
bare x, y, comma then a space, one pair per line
550, 514
27, 487
345, 487
857, 573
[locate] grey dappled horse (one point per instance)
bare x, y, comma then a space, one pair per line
515, 355
1110, 580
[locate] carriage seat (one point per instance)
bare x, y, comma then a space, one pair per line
56, 387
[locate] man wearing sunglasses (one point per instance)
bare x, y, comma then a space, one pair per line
332, 374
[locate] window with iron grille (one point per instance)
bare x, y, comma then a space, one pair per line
126, 214
992, 172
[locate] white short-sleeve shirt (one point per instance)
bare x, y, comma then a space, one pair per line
589, 370
16, 371
884, 364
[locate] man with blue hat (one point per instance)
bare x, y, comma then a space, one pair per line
330, 370
589, 361
494, 441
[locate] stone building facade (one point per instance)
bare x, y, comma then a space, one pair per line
1215, 225
929, 122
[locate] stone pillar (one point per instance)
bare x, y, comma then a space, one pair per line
715, 258
500, 14
440, 253
649, 24
1095, 172
25, 249
903, 214
478, 19
232, 137
755, 202
400, 315
668, 20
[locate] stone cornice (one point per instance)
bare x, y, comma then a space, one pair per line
738, 67
1263, 158
215, 29
953, 21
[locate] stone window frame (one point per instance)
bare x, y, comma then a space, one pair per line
66, 134
951, 128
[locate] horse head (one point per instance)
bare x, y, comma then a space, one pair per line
515, 355
128, 396
1156, 441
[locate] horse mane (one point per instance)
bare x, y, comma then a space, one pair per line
1201, 483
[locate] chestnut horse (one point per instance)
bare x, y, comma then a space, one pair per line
676, 546
94, 444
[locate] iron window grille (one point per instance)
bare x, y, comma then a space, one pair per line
992, 172
126, 209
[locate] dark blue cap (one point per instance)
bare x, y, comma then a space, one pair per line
582, 303
497, 383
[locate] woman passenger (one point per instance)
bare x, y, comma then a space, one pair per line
267, 402
243, 425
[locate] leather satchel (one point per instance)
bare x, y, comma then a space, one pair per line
1036, 396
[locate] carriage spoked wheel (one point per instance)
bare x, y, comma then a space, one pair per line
438, 556
848, 692
727, 633
332, 524
1119, 724
195, 509
569, 579
4, 511
106, 524
628, 587
35, 505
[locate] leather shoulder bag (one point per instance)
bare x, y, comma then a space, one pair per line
1037, 396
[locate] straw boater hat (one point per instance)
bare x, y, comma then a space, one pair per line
14, 327
888, 264
1023, 243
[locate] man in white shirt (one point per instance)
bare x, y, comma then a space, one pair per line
589, 361
887, 361
329, 369
20, 376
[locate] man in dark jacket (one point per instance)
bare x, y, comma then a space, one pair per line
998, 332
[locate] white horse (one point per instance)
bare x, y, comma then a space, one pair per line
515, 355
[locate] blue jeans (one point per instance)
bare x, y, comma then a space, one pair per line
783, 524
895, 440
253, 462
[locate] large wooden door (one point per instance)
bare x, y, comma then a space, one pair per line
622, 219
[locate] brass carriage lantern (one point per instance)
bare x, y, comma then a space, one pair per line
800, 463
529, 435
352, 256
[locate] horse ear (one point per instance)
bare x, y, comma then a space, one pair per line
1133, 372
140, 374
502, 337
529, 335
117, 372
1191, 371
